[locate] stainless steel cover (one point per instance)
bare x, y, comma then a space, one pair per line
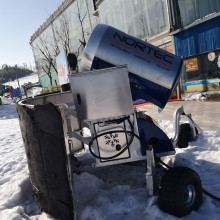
102, 93
154, 72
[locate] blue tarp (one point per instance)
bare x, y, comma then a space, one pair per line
198, 39
15, 92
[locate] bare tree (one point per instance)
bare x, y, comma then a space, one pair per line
47, 69
81, 18
48, 56
62, 29
63, 32
24, 65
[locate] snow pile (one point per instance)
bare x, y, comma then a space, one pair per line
98, 199
15, 188
203, 156
111, 193
33, 78
34, 91
194, 96
6, 101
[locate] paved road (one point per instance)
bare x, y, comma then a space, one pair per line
205, 113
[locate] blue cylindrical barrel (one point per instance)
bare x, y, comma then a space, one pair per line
153, 72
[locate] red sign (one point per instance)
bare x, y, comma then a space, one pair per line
211, 56
61, 69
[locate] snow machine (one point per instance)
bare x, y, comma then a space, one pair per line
115, 71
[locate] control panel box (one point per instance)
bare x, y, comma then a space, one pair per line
102, 93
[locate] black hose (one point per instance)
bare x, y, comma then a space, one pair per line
114, 156
111, 132
210, 195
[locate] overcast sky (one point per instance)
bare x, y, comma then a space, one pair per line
19, 19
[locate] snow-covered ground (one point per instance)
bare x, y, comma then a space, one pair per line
106, 193
33, 78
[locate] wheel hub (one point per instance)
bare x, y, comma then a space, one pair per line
189, 195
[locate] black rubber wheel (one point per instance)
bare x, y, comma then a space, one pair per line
180, 191
48, 161
185, 135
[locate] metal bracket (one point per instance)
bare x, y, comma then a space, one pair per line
79, 137
74, 133
178, 114
68, 111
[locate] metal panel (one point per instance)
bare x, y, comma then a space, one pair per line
55, 98
101, 93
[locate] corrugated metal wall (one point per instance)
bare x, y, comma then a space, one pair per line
198, 39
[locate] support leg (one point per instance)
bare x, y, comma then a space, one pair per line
149, 172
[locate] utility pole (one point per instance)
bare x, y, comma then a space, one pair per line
1, 71
18, 84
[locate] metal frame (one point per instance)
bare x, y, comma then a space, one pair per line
150, 163
150, 166
70, 131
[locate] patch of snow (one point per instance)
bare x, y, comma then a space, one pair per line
194, 96
34, 91
15, 188
33, 78
111, 193
6, 101
7, 111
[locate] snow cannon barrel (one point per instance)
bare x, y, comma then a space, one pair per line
153, 72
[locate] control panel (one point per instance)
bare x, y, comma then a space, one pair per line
112, 142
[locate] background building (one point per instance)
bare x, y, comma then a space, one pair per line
189, 28
196, 30
68, 28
